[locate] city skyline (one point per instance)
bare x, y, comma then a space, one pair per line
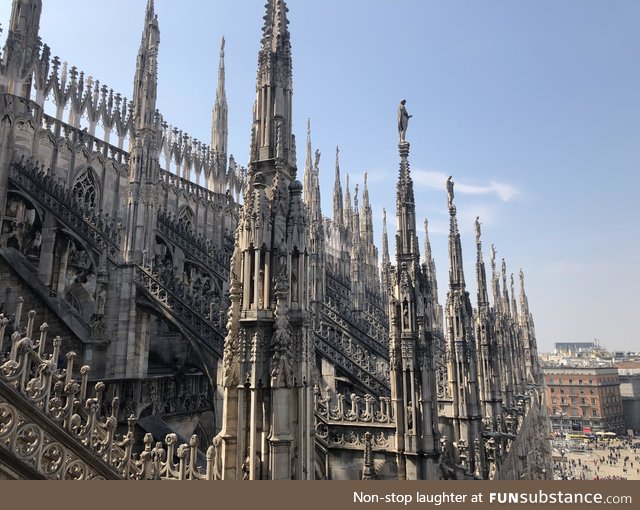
532, 107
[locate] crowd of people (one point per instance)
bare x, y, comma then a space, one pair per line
615, 459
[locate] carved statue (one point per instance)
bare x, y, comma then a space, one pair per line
450, 192
405, 315
316, 164
217, 457
246, 468
282, 255
477, 224
403, 120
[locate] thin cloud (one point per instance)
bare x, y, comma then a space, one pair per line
436, 180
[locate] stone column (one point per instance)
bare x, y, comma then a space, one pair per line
281, 436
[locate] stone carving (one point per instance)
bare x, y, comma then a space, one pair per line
191, 310
450, 192
232, 341
282, 341
356, 409
98, 230
214, 258
93, 450
403, 120
350, 438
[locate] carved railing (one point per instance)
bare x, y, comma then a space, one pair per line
214, 259
65, 403
180, 184
83, 97
353, 408
100, 232
50, 423
345, 424
355, 353
338, 300
374, 365
163, 396
193, 312
336, 317
375, 320
354, 438
364, 378
116, 155
375, 307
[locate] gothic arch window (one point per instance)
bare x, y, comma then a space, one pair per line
86, 191
186, 217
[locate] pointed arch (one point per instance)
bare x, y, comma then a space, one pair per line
86, 190
187, 217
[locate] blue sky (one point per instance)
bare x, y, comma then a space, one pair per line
532, 106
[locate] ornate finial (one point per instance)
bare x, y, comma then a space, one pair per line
403, 120
521, 275
355, 197
426, 226
477, 224
493, 258
222, 42
368, 470
450, 192
365, 179
150, 10
308, 127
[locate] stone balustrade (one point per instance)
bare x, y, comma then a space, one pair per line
203, 250
192, 311
353, 408
98, 230
51, 421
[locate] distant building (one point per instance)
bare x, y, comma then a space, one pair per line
584, 399
629, 374
573, 348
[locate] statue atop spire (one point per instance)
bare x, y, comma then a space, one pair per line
450, 193
414, 396
493, 258
403, 120
316, 162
